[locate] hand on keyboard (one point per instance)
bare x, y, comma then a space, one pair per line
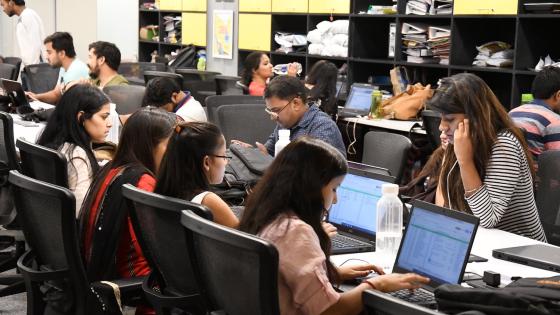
398, 281
355, 271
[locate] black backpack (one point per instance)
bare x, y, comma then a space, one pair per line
242, 173
524, 296
186, 58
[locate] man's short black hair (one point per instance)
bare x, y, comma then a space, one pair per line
108, 50
285, 88
19, 2
159, 91
546, 83
62, 41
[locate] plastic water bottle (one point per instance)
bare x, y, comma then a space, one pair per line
282, 69
283, 140
201, 64
389, 226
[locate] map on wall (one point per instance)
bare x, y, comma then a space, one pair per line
222, 34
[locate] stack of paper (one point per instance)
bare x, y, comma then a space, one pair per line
172, 28
496, 54
439, 42
426, 44
429, 7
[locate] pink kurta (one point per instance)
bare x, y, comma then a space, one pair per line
303, 285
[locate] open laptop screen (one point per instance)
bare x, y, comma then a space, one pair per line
356, 205
436, 244
359, 98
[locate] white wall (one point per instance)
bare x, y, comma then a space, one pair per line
8, 43
87, 20
79, 18
117, 22
225, 66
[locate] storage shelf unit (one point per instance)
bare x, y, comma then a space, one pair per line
369, 40
192, 10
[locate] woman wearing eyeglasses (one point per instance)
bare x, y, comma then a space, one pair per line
195, 159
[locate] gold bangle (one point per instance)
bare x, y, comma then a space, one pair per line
370, 284
472, 191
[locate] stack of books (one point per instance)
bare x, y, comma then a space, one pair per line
429, 7
172, 28
439, 42
426, 44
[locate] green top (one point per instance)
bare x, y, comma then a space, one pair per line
116, 80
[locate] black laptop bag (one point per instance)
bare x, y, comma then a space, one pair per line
242, 173
525, 296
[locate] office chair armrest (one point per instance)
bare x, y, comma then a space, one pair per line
24, 263
192, 302
130, 290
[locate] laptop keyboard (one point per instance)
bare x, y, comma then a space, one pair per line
418, 296
342, 241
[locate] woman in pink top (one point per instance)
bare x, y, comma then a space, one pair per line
286, 208
257, 70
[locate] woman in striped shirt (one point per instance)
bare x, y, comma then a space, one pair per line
487, 168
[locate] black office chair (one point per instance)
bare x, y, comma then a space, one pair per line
376, 303
213, 102
42, 163
52, 269
388, 150
237, 272
201, 84
11, 235
8, 71
430, 121
157, 224
148, 75
234, 122
41, 78
128, 98
134, 71
227, 85
16, 61
548, 195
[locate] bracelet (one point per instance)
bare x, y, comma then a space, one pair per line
472, 191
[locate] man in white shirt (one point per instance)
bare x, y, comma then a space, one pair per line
165, 93
29, 30
61, 53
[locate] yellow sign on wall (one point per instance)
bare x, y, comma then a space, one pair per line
290, 6
170, 5
254, 31
194, 5
329, 6
485, 7
194, 29
254, 5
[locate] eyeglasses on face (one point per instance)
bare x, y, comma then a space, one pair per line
225, 157
274, 111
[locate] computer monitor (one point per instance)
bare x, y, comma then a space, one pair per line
359, 100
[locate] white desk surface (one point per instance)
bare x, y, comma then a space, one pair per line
485, 241
29, 133
390, 124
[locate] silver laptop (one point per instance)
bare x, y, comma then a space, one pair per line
354, 214
358, 102
436, 244
537, 255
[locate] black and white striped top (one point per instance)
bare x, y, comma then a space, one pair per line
506, 200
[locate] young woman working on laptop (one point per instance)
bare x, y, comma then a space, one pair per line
286, 209
495, 183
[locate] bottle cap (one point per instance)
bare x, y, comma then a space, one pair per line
392, 189
284, 133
